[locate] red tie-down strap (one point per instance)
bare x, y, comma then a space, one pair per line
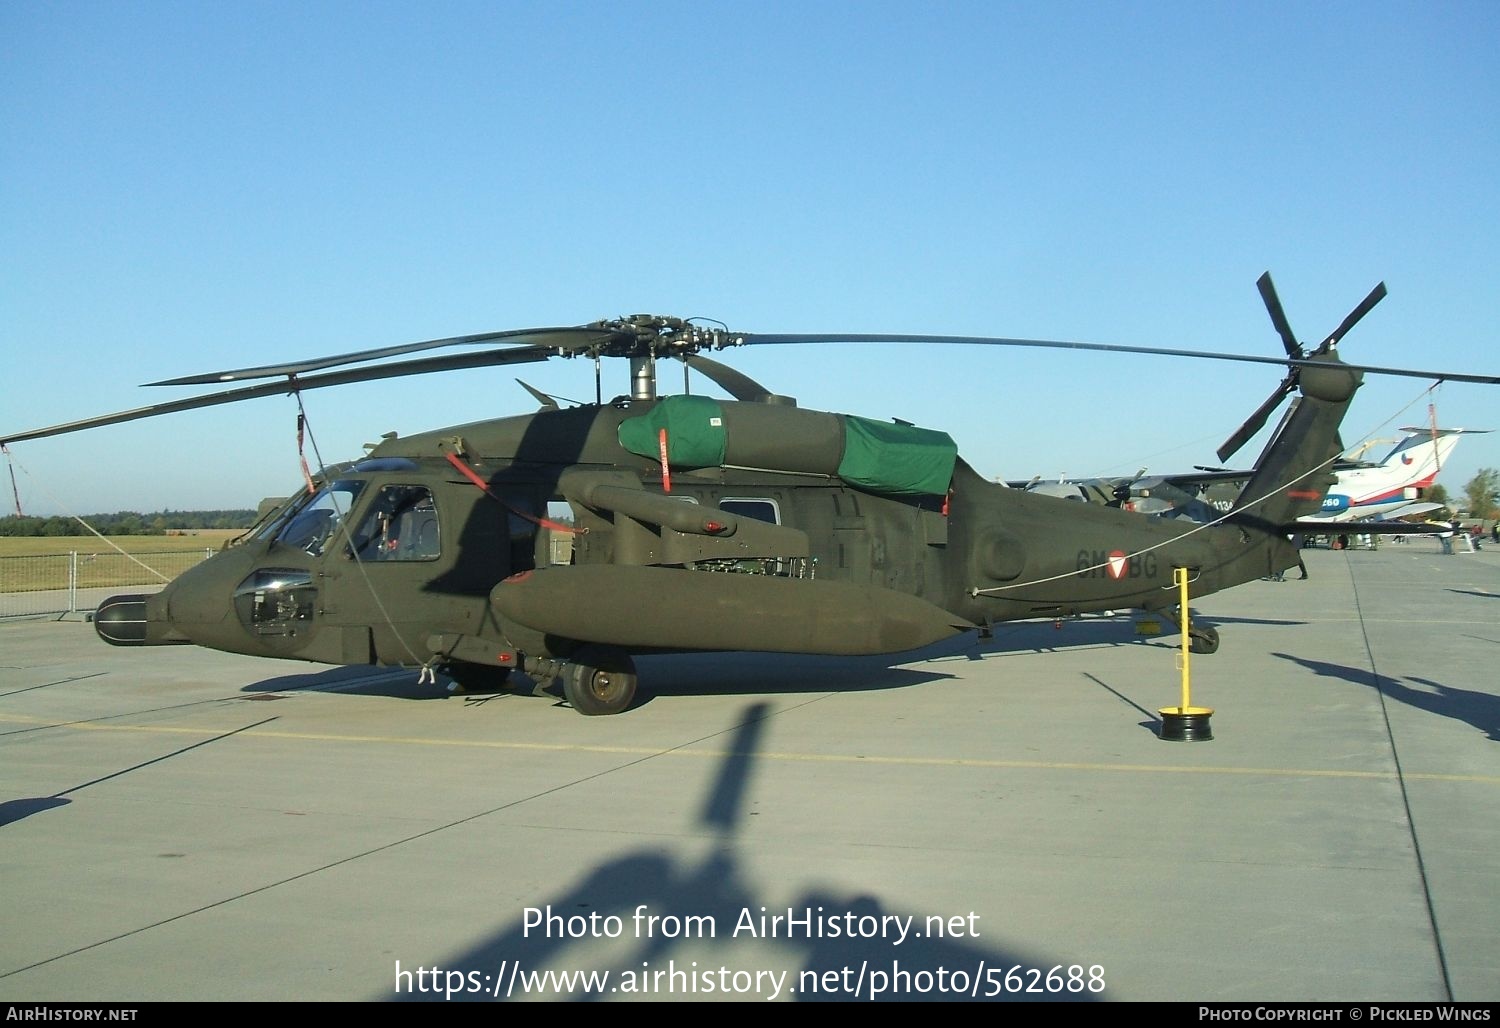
468, 473
302, 456
666, 470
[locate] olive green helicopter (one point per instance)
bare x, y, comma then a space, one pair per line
698, 524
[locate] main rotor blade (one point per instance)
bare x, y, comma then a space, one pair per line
778, 339
452, 362
611, 340
1278, 316
1257, 421
566, 338
1376, 295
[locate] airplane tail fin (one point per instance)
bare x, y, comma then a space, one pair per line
1422, 452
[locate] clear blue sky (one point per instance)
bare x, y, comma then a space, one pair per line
186, 187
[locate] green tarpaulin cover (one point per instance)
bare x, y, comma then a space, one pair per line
880, 457
897, 459
695, 432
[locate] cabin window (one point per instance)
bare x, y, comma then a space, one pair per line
752, 507
757, 508
401, 524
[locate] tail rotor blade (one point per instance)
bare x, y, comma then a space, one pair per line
1295, 352
1376, 295
1257, 421
1278, 316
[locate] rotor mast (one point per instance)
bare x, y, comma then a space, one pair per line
643, 377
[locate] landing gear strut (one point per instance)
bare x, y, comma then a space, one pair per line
1201, 638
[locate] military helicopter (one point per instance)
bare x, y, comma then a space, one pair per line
748, 524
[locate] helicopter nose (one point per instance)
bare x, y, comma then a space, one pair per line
121, 620
124, 620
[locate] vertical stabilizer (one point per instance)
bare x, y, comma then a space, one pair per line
1423, 452
1296, 468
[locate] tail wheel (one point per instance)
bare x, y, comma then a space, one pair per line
1203, 640
599, 680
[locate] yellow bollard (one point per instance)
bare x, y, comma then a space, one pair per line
1185, 722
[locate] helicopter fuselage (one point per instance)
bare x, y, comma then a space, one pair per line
450, 548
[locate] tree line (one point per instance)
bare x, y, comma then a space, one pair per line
126, 522
1481, 496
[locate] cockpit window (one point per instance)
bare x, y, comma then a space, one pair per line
401, 524
318, 519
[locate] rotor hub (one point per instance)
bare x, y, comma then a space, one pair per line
1329, 380
651, 336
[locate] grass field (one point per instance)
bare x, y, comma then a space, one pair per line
28, 546
35, 564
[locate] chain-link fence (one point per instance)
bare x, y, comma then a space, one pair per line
65, 583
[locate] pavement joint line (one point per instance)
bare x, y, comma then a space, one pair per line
788, 757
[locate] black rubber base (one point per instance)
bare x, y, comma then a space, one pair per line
1186, 727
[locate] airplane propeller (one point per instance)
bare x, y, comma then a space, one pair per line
1297, 357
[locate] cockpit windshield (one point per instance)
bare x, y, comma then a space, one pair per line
317, 521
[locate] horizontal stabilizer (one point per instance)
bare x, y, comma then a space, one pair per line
1365, 528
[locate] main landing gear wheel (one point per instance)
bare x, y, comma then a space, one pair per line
599, 680
1203, 639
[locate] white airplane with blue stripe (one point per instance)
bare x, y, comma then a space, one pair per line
1393, 487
